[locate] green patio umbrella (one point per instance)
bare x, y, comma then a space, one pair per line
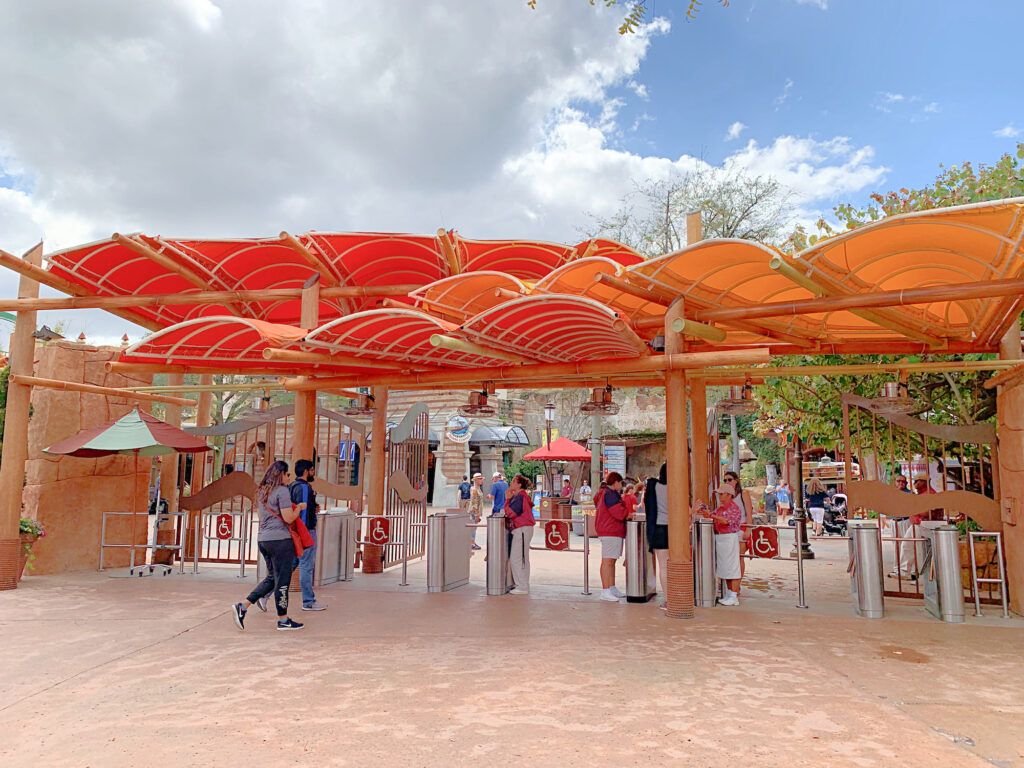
137, 433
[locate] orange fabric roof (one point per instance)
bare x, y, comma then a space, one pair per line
543, 301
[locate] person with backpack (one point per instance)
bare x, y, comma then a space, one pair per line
277, 513
464, 492
302, 493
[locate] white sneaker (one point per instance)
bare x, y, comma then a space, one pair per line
730, 599
615, 591
607, 594
518, 591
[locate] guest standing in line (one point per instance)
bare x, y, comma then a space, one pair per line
520, 520
611, 528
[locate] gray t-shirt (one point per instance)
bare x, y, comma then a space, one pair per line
271, 528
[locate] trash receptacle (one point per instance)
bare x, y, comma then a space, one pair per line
448, 545
703, 548
639, 568
497, 555
865, 569
335, 549
940, 572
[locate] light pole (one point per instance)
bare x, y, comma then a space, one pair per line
549, 416
799, 510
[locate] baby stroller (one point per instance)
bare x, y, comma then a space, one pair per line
834, 522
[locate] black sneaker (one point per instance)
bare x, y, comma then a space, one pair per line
287, 624
238, 614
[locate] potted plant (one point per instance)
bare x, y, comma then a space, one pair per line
29, 530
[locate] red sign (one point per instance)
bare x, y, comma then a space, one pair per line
556, 534
764, 541
380, 531
225, 526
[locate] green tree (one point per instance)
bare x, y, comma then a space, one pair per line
637, 11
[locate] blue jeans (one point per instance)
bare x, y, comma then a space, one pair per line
306, 572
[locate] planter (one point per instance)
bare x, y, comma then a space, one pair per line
24, 550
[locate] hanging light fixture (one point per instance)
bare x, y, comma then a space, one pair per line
360, 406
600, 402
740, 401
895, 396
477, 406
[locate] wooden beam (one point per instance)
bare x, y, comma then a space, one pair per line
1009, 376
313, 259
224, 369
373, 555
462, 345
680, 604
174, 267
652, 294
46, 278
854, 369
71, 386
907, 296
700, 330
448, 250
694, 227
309, 311
589, 368
324, 358
18, 406
884, 318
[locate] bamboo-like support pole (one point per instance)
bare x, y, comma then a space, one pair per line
679, 599
42, 276
94, 389
322, 358
505, 293
652, 294
587, 368
373, 555
880, 299
863, 369
310, 258
699, 457
1010, 424
168, 483
217, 369
461, 345
309, 311
882, 318
163, 260
448, 249
1012, 375
700, 330
15, 442
624, 330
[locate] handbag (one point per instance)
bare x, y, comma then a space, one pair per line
302, 539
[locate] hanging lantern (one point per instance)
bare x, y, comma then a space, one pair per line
740, 401
600, 403
895, 398
477, 406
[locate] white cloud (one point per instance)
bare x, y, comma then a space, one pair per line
823, 4
1008, 131
892, 98
181, 117
931, 107
735, 130
782, 97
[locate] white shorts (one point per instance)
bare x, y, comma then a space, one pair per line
727, 556
817, 514
611, 547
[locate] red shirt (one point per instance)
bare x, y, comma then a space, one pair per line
630, 501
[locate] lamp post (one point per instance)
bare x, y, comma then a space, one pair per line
549, 416
799, 510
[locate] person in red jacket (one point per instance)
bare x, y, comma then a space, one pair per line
519, 516
611, 528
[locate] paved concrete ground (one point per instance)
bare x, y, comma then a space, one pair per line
96, 671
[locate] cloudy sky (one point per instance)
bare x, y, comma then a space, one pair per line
231, 118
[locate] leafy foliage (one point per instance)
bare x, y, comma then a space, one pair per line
637, 11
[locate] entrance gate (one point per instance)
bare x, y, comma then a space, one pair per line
406, 501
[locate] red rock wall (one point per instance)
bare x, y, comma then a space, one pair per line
69, 494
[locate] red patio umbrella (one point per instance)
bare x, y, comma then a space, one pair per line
561, 449
137, 433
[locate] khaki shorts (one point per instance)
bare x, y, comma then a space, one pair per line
611, 547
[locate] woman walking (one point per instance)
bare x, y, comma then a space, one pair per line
816, 503
275, 543
519, 517
476, 501
656, 507
611, 528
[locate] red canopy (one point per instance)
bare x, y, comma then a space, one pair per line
561, 449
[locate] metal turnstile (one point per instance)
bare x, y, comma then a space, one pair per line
865, 569
640, 586
703, 548
448, 550
336, 546
497, 555
940, 571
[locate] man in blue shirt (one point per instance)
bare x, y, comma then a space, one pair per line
302, 491
498, 490
464, 493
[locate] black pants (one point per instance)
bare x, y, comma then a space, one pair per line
280, 558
